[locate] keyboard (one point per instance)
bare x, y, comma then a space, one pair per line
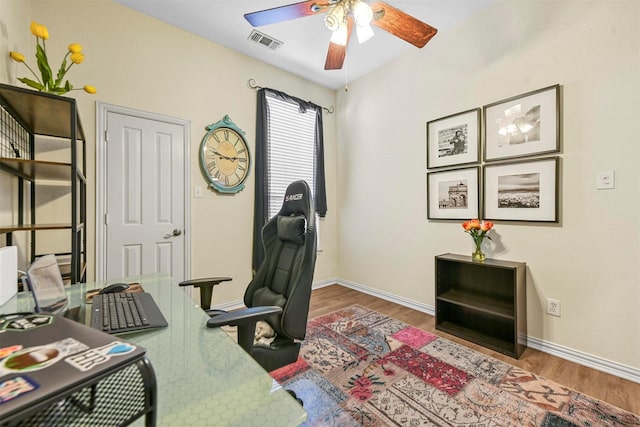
125, 312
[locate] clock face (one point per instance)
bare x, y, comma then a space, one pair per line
225, 158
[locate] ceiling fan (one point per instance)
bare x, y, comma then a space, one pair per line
341, 17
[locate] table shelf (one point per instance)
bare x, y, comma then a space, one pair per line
475, 336
37, 169
478, 302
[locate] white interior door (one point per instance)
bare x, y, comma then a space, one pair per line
145, 197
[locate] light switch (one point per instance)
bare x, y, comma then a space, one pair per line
197, 191
605, 180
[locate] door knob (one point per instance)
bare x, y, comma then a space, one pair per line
175, 233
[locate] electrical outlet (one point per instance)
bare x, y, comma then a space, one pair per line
553, 307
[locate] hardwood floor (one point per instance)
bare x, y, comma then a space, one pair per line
609, 388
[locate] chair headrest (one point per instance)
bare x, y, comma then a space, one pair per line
297, 200
292, 228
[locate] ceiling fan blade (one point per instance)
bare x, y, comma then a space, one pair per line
335, 57
400, 24
284, 13
336, 52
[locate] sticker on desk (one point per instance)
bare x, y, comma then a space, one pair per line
96, 356
25, 322
39, 357
5, 351
14, 387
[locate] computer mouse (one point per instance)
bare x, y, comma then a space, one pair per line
114, 287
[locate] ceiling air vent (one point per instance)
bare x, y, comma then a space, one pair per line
264, 40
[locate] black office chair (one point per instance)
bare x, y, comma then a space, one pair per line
280, 291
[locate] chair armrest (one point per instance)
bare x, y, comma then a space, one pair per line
212, 281
245, 320
206, 288
244, 316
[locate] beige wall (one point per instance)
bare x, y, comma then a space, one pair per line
141, 63
13, 14
589, 261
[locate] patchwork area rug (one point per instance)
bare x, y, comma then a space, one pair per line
358, 367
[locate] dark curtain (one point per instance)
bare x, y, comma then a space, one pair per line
261, 206
261, 203
320, 190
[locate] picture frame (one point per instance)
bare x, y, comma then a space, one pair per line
454, 139
522, 126
453, 194
522, 191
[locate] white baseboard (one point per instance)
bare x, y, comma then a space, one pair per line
229, 306
591, 361
585, 359
388, 296
323, 283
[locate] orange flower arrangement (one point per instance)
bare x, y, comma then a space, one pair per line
478, 231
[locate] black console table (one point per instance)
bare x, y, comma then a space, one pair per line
482, 302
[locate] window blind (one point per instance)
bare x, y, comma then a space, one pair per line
291, 153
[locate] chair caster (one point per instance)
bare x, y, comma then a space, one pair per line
295, 396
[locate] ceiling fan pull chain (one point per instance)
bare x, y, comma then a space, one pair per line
346, 74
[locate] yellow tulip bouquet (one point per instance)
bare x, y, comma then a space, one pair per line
47, 82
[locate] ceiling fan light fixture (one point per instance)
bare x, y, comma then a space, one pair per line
364, 33
340, 35
335, 17
362, 14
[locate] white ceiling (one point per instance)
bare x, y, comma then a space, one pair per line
305, 40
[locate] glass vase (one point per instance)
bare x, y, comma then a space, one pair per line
478, 255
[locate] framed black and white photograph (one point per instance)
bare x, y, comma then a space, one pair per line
524, 125
453, 194
454, 140
522, 191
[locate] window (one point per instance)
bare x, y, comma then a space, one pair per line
289, 147
291, 153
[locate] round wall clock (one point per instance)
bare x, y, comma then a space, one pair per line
224, 156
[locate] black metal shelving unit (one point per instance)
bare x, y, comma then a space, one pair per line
29, 118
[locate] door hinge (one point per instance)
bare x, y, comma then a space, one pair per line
106, 135
106, 219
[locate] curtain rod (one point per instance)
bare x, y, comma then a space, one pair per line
252, 84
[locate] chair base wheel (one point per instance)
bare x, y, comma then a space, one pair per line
295, 396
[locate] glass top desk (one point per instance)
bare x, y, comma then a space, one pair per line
203, 376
